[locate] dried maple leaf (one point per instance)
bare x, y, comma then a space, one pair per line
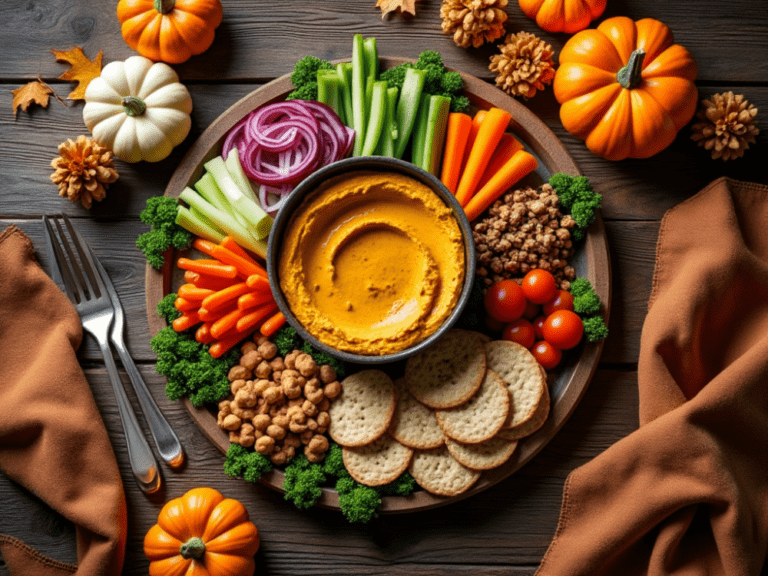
35, 92
83, 70
388, 6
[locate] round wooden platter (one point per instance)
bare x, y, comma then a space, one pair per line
567, 384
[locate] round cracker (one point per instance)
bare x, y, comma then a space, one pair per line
484, 455
413, 424
380, 462
535, 422
448, 373
522, 376
440, 473
363, 410
480, 417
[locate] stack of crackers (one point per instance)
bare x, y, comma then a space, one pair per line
461, 408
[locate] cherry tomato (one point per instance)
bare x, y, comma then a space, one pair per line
531, 310
563, 329
505, 301
563, 300
546, 354
538, 322
520, 331
539, 286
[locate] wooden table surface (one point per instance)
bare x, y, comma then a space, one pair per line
504, 530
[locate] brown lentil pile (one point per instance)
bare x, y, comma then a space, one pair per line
523, 231
279, 404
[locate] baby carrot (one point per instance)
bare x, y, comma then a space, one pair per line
214, 283
230, 244
478, 117
256, 282
185, 321
456, 136
493, 125
213, 315
204, 246
210, 267
252, 299
516, 168
224, 296
221, 347
272, 324
244, 265
203, 334
192, 292
226, 322
184, 305
257, 315
507, 147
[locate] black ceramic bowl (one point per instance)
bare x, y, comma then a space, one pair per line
379, 164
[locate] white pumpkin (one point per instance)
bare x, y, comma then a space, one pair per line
138, 109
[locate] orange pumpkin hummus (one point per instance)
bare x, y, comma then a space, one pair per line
372, 263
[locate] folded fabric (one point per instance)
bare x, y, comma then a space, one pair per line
687, 493
52, 439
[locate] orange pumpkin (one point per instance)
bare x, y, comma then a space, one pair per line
202, 534
563, 15
169, 30
625, 87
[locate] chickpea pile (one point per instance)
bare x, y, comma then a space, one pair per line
279, 404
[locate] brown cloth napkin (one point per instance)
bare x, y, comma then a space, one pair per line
52, 439
687, 493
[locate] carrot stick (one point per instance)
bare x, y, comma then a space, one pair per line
226, 322
230, 244
507, 147
489, 133
456, 137
252, 299
257, 315
243, 265
192, 292
203, 334
257, 283
213, 315
212, 268
478, 117
516, 168
224, 296
184, 305
185, 321
221, 347
204, 246
272, 324
214, 283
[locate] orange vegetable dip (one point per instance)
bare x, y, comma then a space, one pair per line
372, 263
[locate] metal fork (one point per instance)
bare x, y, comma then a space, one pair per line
87, 292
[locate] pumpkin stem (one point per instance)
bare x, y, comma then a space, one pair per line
193, 548
134, 106
629, 76
164, 6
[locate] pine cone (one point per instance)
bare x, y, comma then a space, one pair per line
524, 65
83, 170
727, 125
473, 22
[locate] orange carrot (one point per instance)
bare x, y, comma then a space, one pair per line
489, 133
478, 117
456, 137
226, 322
224, 296
184, 305
185, 321
244, 266
220, 347
210, 267
230, 244
252, 299
507, 147
213, 315
204, 246
257, 283
272, 324
257, 315
203, 334
516, 168
191, 277
214, 283
192, 292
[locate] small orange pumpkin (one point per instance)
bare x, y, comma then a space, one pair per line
169, 30
202, 534
563, 15
625, 88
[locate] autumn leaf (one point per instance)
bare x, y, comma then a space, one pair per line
388, 6
83, 70
35, 92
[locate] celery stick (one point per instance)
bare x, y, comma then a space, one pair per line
386, 145
241, 203
371, 56
344, 69
358, 93
235, 169
419, 133
407, 107
437, 123
376, 117
329, 91
208, 189
195, 224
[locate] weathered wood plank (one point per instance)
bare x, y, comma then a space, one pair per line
506, 527
260, 39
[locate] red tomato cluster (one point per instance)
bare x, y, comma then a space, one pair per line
536, 315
